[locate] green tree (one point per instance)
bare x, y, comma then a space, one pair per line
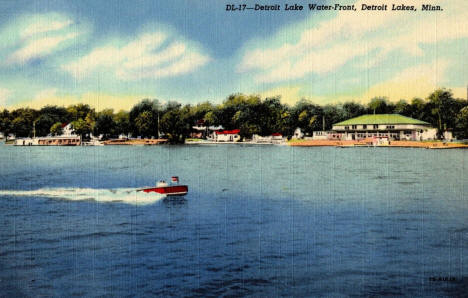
332, 114
145, 124
59, 114
150, 106
81, 127
175, 125
270, 117
442, 103
248, 106
210, 118
122, 123
352, 109
307, 116
462, 123
5, 122
418, 109
43, 124
403, 108
378, 105
104, 124
56, 129
200, 110
78, 111
22, 123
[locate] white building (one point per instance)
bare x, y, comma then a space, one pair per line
391, 126
67, 138
200, 131
274, 138
226, 136
68, 130
326, 135
298, 134
49, 141
260, 139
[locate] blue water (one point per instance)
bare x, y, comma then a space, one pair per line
258, 221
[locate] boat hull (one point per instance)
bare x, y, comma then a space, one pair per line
174, 190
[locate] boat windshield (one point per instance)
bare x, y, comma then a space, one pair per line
161, 183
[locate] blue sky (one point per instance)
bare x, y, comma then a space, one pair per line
111, 54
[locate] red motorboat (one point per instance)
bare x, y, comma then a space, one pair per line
172, 189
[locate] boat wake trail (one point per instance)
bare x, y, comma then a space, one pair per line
117, 195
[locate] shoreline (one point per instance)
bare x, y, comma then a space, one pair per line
395, 144
294, 143
134, 142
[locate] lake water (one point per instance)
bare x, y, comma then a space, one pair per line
258, 221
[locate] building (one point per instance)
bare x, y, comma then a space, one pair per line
274, 138
277, 138
201, 131
391, 126
49, 141
326, 135
68, 130
298, 134
226, 135
68, 138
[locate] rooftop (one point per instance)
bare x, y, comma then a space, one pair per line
382, 119
228, 132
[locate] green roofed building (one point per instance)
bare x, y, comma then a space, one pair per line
391, 126
384, 119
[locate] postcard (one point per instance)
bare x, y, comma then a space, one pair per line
234, 148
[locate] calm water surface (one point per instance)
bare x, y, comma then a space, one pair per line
258, 221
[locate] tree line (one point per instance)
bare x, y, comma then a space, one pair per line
249, 113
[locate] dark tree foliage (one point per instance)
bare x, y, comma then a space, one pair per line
78, 111
352, 109
402, 108
176, 122
5, 122
43, 124
49, 115
332, 114
462, 123
150, 129
23, 121
122, 123
105, 125
249, 113
443, 108
307, 116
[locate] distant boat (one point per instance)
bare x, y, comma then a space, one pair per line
172, 189
93, 142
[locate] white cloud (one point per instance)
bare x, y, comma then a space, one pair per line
372, 35
43, 26
38, 48
150, 55
37, 36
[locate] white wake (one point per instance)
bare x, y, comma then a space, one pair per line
123, 195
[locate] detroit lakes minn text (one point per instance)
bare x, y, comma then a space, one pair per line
337, 7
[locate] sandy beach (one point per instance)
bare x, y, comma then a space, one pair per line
135, 142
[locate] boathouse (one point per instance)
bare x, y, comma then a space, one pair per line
201, 131
391, 126
227, 135
49, 141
